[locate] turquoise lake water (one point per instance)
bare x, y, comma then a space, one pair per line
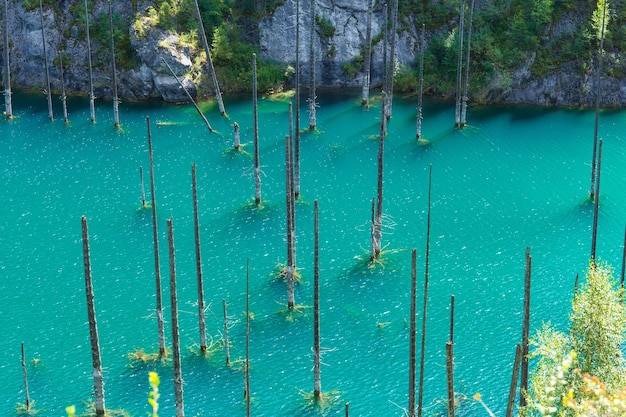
515, 177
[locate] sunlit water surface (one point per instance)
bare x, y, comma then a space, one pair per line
515, 177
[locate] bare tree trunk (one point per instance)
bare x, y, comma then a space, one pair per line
413, 334
367, 62
511, 403
420, 86
385, 41
237, 144
207, 51
452, 319
312, 94
143, 190
392, 58
525, 332
8, 107
374, 245
157, 263
246, 368
45, 61
378, 221
92, 107
347, 409
422, 354
116, 101
317, 379
63, 95
98, 381
196, 221
459, 67
178, 377
255, 112
290, 267
596, 210
296, 173
195, 105
27, 404
467, 61
450, 375
598, 94
226, 341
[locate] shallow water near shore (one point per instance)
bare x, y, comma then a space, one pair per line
515, 177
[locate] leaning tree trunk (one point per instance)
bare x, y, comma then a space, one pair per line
459, 68
525, 332
63, 95
157, 262
178, 377
312, 94
196, 228
45, 61
413, 335
367, 61
255, 113
392, 57
317, 379
116, 102
598, 94
513, 388
98, 381
92, 107
207, 51
420, 86
8, 107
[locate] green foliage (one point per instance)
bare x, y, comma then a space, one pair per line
596, 335
153, 398
325, 25
353, 67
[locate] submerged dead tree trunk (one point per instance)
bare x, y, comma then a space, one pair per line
420, 85
377, 228
27, 403
45, 61
63, 95
178, 377
116, 101
450, 378
207, 51
144, 204
317, 378
290, 268
459, 68
598, 94
467, 61
367, 61
195, 105
312, 94
246, 364
8, 107
513, 389
413, 335
525, 332
157, 262
237, 135
392, 57
596, 208
255, 115
296, 173
420, 398
196, 229
98, 381
92, 107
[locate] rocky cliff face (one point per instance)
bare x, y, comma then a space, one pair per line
150, 78
65, 34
